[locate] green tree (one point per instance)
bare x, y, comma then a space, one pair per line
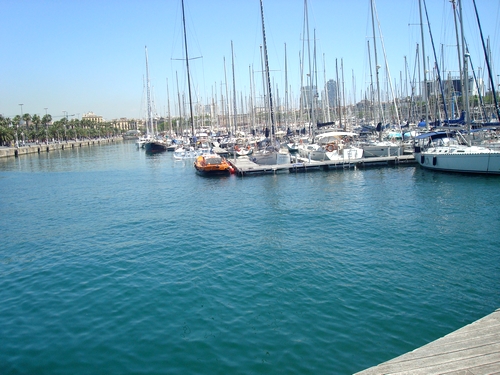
7, 135
26, 119
36, 121
46, 119
16, 121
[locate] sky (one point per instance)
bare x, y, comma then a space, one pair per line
79, 56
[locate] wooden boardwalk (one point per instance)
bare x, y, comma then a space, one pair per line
244, 166
472, 350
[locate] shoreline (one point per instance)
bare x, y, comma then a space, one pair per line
43, 147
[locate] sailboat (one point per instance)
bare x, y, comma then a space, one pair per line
380, 147
333, 146
154, 144
440, 151
270, 154
186, 151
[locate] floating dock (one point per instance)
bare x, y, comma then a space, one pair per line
244, 166
471, 350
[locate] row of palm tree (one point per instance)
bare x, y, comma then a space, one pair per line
36, 129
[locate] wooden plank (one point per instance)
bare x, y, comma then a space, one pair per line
473, 349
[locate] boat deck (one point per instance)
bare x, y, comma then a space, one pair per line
244, 166
471, 350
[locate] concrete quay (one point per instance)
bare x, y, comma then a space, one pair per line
33, 148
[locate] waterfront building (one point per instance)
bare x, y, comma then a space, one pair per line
91, 116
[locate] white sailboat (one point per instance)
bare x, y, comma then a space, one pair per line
270, 155
332, 146
186, 151
439, 151
380, 147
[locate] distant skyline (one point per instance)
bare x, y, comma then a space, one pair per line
89, 56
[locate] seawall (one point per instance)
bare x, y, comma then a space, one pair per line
65, 145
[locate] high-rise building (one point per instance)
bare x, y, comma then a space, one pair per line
331, 88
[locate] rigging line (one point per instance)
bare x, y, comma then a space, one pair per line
387, 68
435, 63
487, 61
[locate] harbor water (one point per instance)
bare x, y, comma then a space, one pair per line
117, 262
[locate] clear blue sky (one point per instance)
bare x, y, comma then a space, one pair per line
89, 55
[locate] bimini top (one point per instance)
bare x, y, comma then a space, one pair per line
336, 134
433, 135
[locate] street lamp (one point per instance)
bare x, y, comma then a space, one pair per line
17, 125
65, 115
46, 128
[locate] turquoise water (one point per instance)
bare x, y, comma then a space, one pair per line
115, 262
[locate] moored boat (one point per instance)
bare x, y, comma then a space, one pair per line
439, 151
155, 146
212, 164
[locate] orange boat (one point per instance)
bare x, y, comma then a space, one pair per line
212, 164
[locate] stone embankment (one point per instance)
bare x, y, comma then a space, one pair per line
34, 148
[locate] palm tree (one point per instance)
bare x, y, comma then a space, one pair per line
27, 119
36, 120
45, 121
6, 131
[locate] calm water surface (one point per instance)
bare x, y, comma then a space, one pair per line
115, 262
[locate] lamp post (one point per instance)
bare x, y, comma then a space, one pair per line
46, 128
66, 116
17, 126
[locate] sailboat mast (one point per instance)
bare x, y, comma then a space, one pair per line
465, 94
187, 68
252, 97
306, 26
337, 93
235, 113
149, 125
377, 67
487, 62
267, 69
286, 92
437, 65
460, 70
228, 118
423, 64
180, 106
168, 107
326, 111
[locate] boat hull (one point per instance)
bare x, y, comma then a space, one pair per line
270, 158
374, 151
482, 161
155, 147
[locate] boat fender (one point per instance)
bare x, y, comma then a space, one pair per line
422, 159
434, 160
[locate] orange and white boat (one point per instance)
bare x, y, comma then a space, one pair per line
212, 164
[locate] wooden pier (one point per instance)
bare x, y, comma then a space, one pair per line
244, 166
471, 350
